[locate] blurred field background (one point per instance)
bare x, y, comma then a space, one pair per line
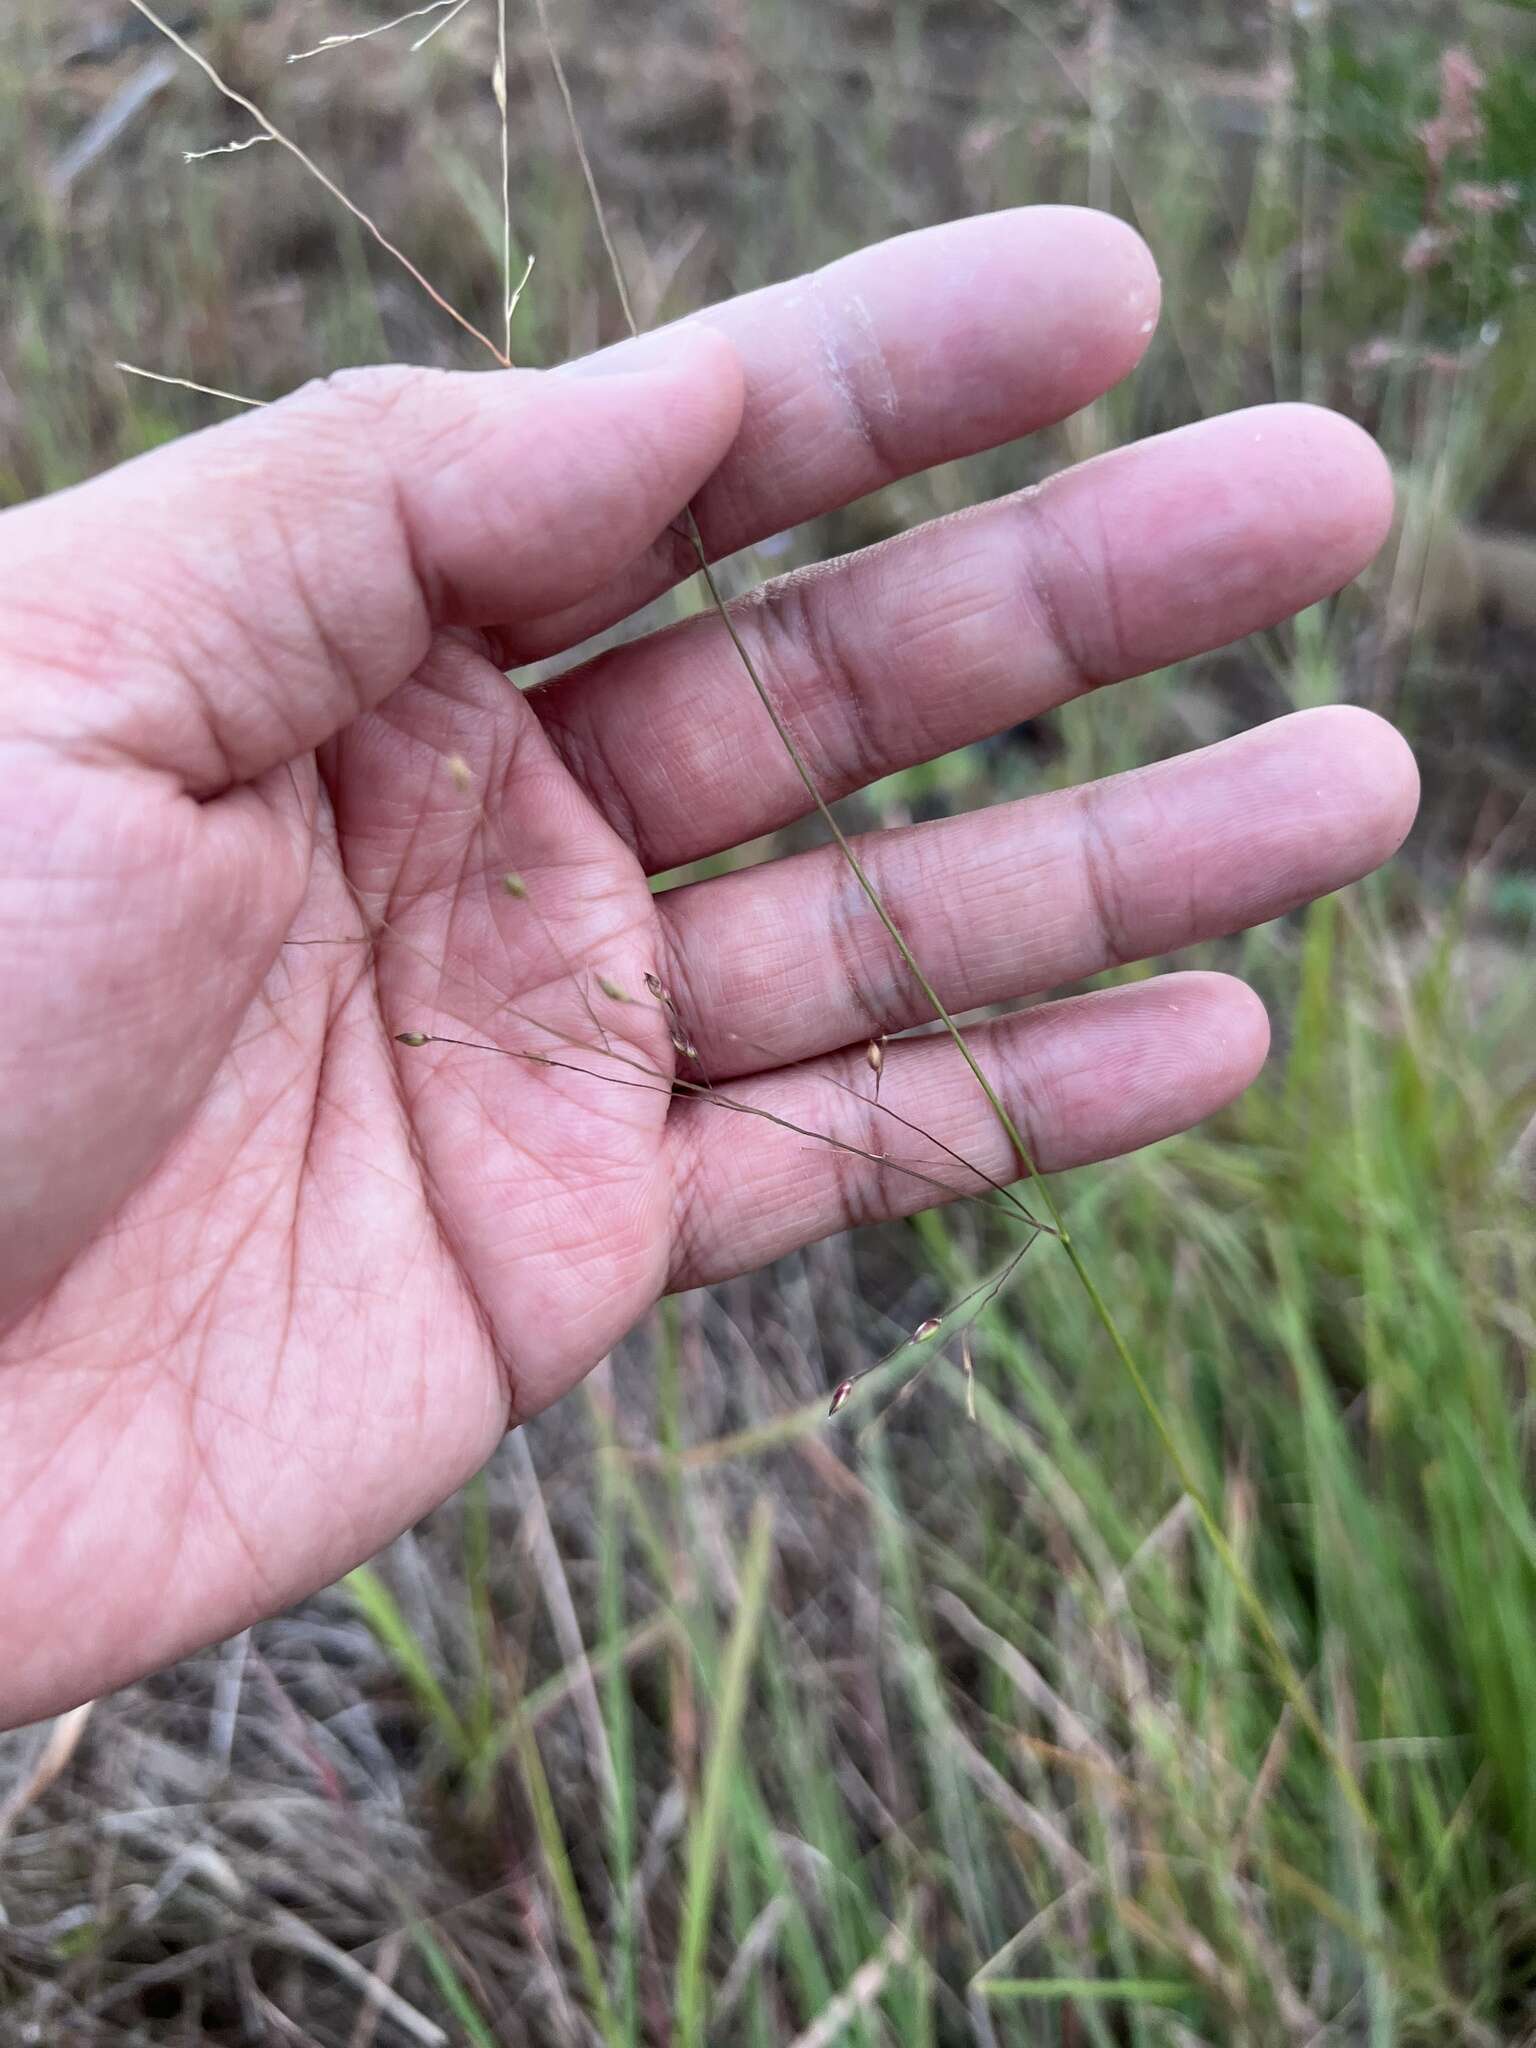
701, 1719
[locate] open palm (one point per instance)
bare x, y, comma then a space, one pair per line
275, 1284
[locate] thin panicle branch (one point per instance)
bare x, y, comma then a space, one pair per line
1291, 1681
201, 156
382, 28
987, 1289
1006, 1194
437, 27
302, 156
663, 1084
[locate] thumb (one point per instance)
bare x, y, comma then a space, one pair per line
231, 601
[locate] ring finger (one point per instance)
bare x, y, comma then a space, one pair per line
777, 963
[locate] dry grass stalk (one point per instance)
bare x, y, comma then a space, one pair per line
49, 1765
187, 384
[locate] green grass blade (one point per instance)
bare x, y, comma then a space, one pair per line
557, 1860
381, 1611
443, 1974
1085, 1990
706, 1835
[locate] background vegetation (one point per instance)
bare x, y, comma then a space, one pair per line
698, 1718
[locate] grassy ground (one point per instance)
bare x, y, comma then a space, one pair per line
698, 1718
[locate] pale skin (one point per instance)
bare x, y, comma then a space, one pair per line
274, 1284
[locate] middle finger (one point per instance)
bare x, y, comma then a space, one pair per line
1147, 556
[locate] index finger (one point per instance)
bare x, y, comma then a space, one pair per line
916, 351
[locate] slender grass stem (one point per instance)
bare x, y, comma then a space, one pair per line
509, 294
1290, 1679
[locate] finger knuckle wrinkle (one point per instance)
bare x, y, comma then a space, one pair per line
816, 683
1102, 880
583, 745
1031, 1088
868, 1189
858, 371
693, 1202
1071, 588
852, 938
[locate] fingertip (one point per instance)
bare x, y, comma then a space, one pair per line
1126, 262
711, 346
1345, 480
1214, 1031
1149, 1059
1114, 281
1020, 317
1214, 530
1239, 1029
678, 378
1373, 777
708, 362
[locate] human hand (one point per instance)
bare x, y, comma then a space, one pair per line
274, 1285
